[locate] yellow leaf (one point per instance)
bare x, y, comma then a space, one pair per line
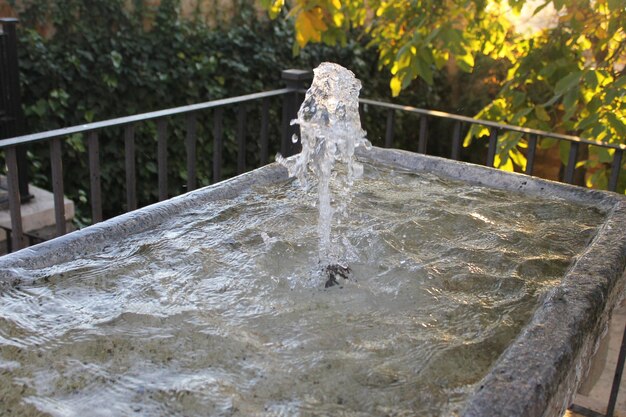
503, 165
466, 62
518, 158
309, 26
338, 19
396, 86
395, 67
336, 3
276, 7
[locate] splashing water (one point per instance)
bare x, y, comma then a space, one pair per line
330, 131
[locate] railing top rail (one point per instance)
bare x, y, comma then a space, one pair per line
466, 119
121, 121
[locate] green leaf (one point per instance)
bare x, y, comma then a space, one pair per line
604, 155
567, 82
591, 78
542, 114
518, 98
587, 121
424, 70
617, 124
570, 103
547, 143
521, 113
619, 82
116, 59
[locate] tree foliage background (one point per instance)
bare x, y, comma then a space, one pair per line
567, 78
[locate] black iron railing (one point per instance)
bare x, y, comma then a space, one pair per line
495, 129
291, 95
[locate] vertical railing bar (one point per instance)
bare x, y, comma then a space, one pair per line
218, 142
285, 137
615, 169
16, 239
129, 156
13, 101
191, 145
389, 128
530, 155
57, 185
422, 145
493, 145
265, 113
94, 176
456, 141
241, 139
571, 163
617, 377
9, 240
162, 157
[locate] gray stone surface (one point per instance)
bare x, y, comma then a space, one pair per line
538, 373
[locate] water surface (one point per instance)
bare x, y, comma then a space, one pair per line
222, 311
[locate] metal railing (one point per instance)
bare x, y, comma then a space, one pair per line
495, 129
292, 96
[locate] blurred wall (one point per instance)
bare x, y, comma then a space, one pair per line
213, 12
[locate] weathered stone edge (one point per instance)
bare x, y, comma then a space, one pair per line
540, 371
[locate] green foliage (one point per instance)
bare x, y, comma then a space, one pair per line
569, 78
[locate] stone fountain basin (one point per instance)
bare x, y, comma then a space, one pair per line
539, 372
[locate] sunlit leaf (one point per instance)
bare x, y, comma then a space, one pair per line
518, 158
466, 62
309, 26
503, 162
395, 84
274, 7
